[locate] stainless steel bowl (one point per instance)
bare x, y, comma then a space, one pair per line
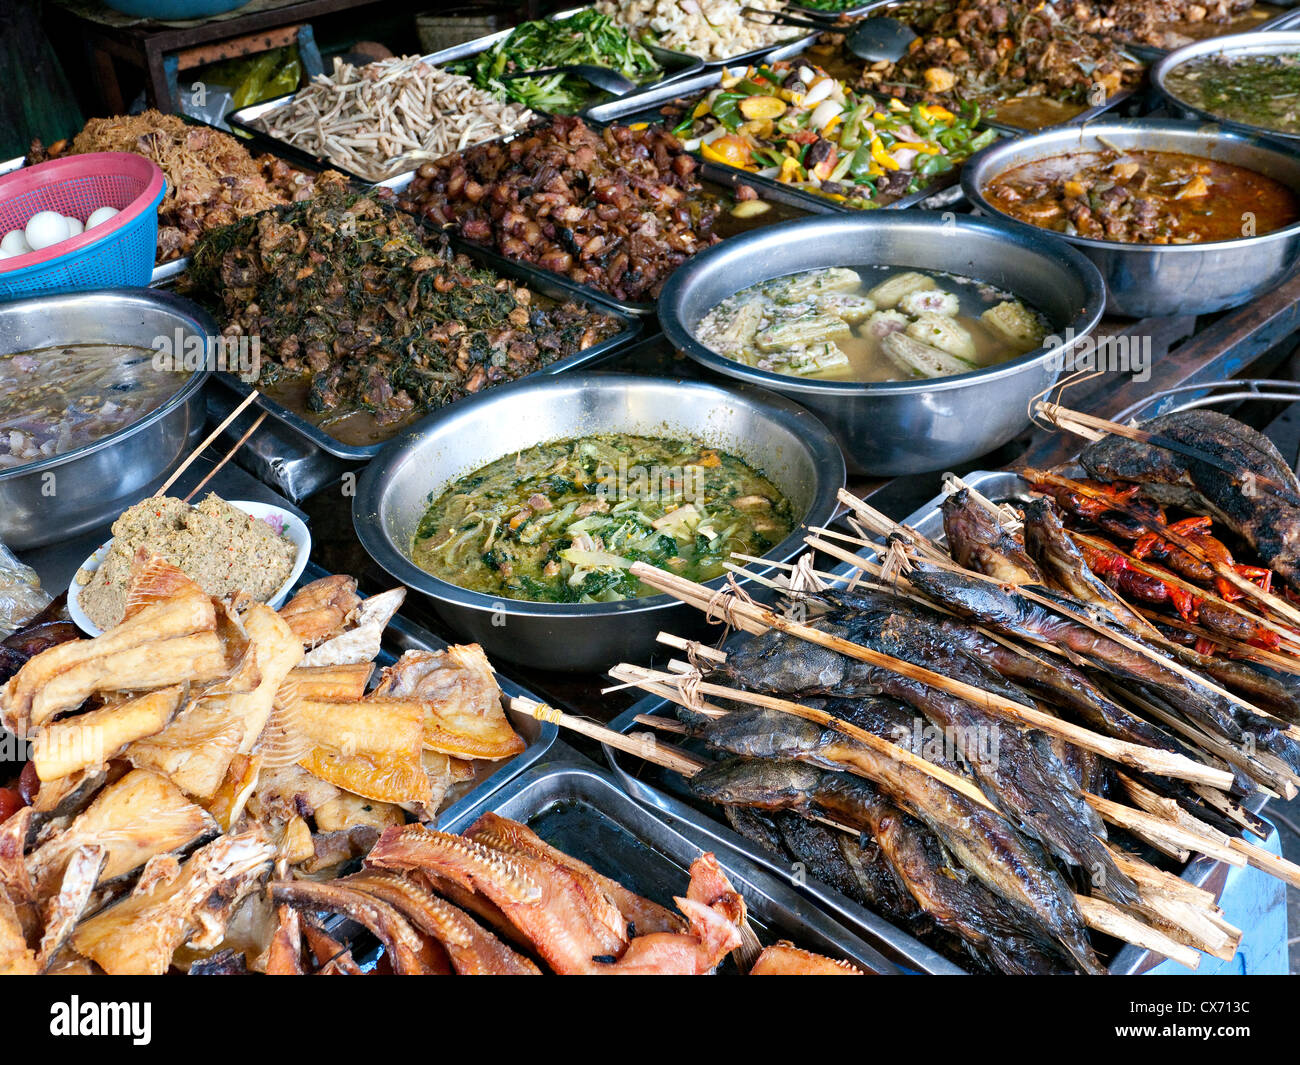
59, 497
1158, 280
901, 427
785, 441
1238, 45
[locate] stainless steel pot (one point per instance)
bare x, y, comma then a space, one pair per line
59, 497
1236, 46
900, 427
1158, 280
782, 439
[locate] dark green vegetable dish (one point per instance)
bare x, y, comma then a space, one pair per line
1258, 90
587, 37
563, 522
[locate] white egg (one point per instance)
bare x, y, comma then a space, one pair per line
45, 228
14, 243
101, 215
74, 225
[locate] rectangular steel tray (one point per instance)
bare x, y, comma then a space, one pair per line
1280, 21
649, 784
673, 64
646, 109
579, 808
725, 176
542, 281
403, 635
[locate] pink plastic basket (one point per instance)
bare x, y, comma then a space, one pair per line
119, 252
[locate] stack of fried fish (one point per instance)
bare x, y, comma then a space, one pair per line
184, 753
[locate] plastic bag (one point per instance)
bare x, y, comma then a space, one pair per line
21, 594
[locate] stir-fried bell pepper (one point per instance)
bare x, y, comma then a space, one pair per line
800, 126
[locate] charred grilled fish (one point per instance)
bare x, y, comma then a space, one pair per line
1232, 473
979, 543
981, 840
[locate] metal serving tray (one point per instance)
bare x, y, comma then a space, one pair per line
673, 64
402, 635
576, 806
646, 109
726, 176
1284, 19
541, 281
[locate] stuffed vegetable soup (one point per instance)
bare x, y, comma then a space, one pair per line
872, 323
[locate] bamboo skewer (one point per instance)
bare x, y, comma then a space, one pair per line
243, 405
1103, 917
677, 760
1080, 618
755, 619
227, 456
1175, 834
867, 739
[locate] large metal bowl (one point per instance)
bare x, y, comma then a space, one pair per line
890, 428
1159, 280
59, 497
1238, 45
770, 433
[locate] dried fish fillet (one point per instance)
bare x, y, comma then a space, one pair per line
510, 837
321, 609
785, 959
463, 712
91, 739
346, 681
370, 747
64, 910
346, 811
16, 957
473, 950
360, 643
139, 935
183, 659
134, 819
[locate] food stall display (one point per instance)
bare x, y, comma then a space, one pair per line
1025, 731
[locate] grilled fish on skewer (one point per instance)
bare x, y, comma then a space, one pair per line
1057, 555
1225, 469
982, 841
979, 543
1015, 616
1021, 772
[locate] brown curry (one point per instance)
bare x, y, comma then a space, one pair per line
1144, 197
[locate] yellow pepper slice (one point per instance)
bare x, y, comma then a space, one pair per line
919, 146
730, 150
935, 111
895, 104
881, 156
789, 171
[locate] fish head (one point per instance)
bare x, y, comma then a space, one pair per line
761, 783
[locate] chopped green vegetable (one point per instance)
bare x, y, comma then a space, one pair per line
586, 37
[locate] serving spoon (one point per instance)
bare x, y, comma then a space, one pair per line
611, 81
875, 39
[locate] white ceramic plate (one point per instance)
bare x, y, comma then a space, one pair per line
294, 528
